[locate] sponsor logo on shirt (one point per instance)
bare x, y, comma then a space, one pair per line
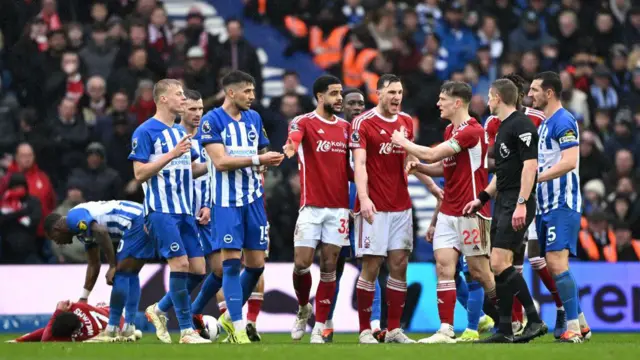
331, 146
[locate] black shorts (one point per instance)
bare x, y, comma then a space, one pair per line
502, 234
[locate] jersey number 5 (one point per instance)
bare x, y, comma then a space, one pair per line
471, 237
344, 226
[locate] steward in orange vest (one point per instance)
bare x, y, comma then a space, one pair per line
326, 46
628, 249
597, 241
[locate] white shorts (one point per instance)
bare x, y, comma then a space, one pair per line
532, 233
389, 231
468, 235
327, 225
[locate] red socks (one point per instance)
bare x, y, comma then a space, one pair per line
324, 295
446, 291
302, 285
364, 291
254, 304
396, 295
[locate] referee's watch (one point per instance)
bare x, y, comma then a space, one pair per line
521, 201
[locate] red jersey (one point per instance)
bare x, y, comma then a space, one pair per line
322, 159
465, 173
93, 319
493, 123
388, 184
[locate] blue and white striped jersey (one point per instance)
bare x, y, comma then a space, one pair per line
201, 185
116, 216
241, 138
171, 189
557, 133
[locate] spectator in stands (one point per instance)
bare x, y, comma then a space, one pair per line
529, 36
119, 109
490, 35
621, 76
8, 121
143, 106
117, 34
602, 125
407, 56
99, 54
624, 167
70, 135
353, 11
592, 155
138, 40
240, 55
50, 15
603, 93
144, 9
178, 57
99, 13
118, 147
529, 65
74, 252
38, 183
429, 14
627, 245
93, 104
291, 84
199, 76
282, 207
622, 209
160, 35
411, 27
75, 34
26, 63
19, 219
128, 78
633, 99
632, 27
57, 45
574, 100
623, 137
593, 197
549, 54
198, 36
423, 87
382, 28
99, 181
456, 37
605, 34
570, 37
67, 82
432, 46
595, 240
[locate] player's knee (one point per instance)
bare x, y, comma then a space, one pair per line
301, 263
398, 265
557, 262
445, 271
499, 264
179, 264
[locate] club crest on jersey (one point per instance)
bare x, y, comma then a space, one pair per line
252, 135
227, 239
206, 127
504, 151
367, 242
294, 127
526, 138
355, 137
174, 247
134, 144
203, 153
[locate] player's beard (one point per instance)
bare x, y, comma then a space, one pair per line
241, 105
328, 108
541, 105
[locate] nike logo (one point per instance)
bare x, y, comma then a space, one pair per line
163, 143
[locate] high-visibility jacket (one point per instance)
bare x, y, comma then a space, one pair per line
370, 80
588, 243
327, 52
296, 27
354, 65
262, 7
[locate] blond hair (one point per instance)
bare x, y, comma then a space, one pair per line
162, 86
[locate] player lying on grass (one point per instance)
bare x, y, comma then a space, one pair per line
97, 223
71, 321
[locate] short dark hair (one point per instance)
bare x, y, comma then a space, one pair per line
322, 83
459, 89
351, 91
290, 73
386, 80
507, 90
234, 19
519, 82
237, 77
550, 80
192, 94
50, 222
65, 324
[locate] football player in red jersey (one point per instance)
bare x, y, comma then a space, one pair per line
383, 221
320, 140
538, 264
461, 159
72, 322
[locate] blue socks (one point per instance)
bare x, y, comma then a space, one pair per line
119, 294
133, 299
209, 288
568, 292
181, 299
375, 307
462, 291
248, 281
475, 303
193, 280
232, 288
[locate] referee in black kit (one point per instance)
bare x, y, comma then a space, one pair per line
516, 156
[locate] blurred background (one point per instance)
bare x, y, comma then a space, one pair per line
76, 78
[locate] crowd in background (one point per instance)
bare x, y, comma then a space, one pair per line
76, 78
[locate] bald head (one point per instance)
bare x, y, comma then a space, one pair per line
25, 157
96, 87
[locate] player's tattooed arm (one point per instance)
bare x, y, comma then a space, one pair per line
104, 239
223, 162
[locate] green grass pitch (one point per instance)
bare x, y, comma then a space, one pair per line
279, 346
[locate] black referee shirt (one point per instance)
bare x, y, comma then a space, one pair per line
516, 141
